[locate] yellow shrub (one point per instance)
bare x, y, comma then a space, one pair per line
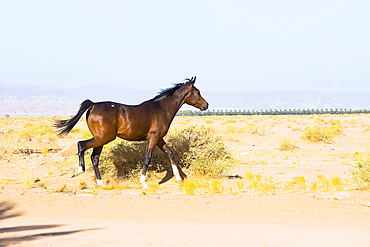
319, 119
324, 134
231, 121
260, 184
287, 145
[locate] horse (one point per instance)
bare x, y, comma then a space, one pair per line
148, 121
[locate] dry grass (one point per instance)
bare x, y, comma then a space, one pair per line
256, 129
189, 187
26, 175
361, 169
260, 184
82, 185
321, 134
287, 144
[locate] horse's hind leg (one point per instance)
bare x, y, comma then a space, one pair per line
81, 145
175, 169
95, 161
85, 145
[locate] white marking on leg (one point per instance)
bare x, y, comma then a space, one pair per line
142, 181
77, 172
176, 172
99, 182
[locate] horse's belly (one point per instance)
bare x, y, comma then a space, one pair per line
128, 137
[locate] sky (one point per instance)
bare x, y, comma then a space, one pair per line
229, 45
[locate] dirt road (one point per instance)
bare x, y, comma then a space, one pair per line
131, 219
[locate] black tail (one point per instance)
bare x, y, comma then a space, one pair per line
63, 127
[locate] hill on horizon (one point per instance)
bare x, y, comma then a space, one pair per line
28, 100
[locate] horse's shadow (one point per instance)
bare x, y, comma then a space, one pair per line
5, 213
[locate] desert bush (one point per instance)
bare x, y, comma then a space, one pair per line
231, 121
367, 128
206, 155
287, 145
320, 120
255, 129
361, 170
234, 129
32, 131
7, 145
196, 149
335, 122
321, 134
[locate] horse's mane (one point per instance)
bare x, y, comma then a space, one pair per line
170, 91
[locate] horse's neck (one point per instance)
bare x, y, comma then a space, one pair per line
171, 105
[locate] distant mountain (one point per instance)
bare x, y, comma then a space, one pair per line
25, 100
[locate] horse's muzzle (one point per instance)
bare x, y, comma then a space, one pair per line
204, 107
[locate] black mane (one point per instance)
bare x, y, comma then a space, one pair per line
170, 91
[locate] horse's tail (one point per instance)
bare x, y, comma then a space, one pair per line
63, 127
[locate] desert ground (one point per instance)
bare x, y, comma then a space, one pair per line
305, 196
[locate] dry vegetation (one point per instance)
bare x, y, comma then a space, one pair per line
238, 155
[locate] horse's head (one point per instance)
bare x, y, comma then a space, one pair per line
194, 98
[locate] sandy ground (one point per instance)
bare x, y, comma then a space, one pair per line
42, 217
123, 219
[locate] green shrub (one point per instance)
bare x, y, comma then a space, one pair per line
207, 155
322, 134
195, 148
361, 170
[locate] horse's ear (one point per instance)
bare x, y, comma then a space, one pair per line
193, 79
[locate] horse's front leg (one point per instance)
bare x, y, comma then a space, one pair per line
152, 142
175, 169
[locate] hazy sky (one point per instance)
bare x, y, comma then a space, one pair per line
229, 45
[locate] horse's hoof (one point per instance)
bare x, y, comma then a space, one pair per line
179, 182
77, 172
99, 182
145, 186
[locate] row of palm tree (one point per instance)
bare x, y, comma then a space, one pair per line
271, 112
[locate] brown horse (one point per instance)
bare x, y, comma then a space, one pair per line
149, 121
